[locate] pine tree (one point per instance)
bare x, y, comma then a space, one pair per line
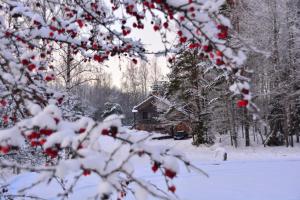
190, 88
111, 108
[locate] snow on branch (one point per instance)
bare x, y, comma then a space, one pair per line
31, 32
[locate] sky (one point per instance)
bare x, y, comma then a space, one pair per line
152, 41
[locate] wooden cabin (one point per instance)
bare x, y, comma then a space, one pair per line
147, 116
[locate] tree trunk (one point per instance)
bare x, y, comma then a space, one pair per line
68, 68
233, 124
286, 125
247, 135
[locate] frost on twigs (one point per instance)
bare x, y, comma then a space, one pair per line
31, 32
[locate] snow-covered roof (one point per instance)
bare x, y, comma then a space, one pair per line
134, 110
151, 97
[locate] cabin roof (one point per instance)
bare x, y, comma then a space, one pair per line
171, 107
149, 100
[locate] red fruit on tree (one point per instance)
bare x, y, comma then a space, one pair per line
5, 119
3, 102
48, 78
43, 141
4, 149
207, 48
60, 100
25, 62
242, 103
172, 188
219, 62
81, 130
156, 28
155, 166
33, 135
46, 132
105, 132
219, 53
34, 143
183, 39
86, 172
222, 35
134, 61
80, 23
31, 67
245, 91
56, 120
166, 25
169, 173
51, 152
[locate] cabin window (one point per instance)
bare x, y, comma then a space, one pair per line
145, 115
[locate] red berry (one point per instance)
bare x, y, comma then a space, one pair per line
3, 102
183, 39
5, 149
46, 132
155, 166
207, 48
105, 132
219, 53
95, 46
156, 28
7, 34
31, 67
86, 172
50, 152
56, 120
34, 143
5, 119
52, 28
222, 35
134, 61
169, 173
81, 130
48, 78
43, 141
222, 28
242, 103
219, 62
166, 24
80, 23
25, 62
60, 100
97, 57
245, 91
194, 45
172, 188
33, 135
43, 55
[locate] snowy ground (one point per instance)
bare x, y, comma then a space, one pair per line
254, 173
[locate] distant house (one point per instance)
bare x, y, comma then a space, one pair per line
146, 113
147, 116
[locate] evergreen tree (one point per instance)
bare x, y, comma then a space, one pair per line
111, 108
191, 85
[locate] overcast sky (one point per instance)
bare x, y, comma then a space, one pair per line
152, 41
